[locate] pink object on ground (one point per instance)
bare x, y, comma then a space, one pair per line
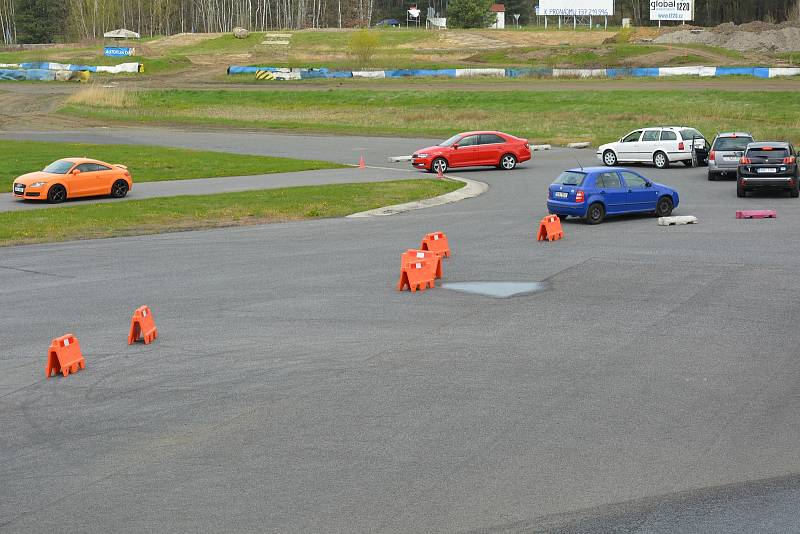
756, 214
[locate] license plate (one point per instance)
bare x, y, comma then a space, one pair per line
731, 158
767, 170
18, 189
561, 194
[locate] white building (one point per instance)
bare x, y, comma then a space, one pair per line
500, 11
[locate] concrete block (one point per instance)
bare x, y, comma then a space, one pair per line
681, 219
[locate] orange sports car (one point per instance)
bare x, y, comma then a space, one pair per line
73, 178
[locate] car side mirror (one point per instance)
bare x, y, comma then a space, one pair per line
76, 171
648, 184
455, 146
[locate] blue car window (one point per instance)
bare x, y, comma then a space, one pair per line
608, 180
633, 181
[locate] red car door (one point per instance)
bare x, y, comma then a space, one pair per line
491, 148
465, 154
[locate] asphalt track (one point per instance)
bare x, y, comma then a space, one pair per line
655, 387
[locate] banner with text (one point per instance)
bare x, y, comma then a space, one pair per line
119, 51
671, 9
577, 8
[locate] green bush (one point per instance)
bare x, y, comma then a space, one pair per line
470, 14
623, 36
363, 45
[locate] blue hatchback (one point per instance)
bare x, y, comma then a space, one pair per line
594, 192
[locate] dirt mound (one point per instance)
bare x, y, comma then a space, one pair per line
752, 36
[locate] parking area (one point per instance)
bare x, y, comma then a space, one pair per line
292, 388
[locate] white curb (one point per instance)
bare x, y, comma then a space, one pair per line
398, 159
583, 144
682, 219
540, 147
471, 189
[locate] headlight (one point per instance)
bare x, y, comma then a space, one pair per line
422, 155
38, 184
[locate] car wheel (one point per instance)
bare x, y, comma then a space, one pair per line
56, 194
660, 160
508, 162
439, 164
711, 176
664, 207
609, 158
595, 214
119, 189
740, 190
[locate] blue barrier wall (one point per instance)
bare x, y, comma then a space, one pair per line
758, 72
28, 74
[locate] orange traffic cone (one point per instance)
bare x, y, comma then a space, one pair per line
361, 163
439, 173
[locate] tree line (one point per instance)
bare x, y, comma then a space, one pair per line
43, 21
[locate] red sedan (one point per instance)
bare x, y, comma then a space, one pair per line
474, 149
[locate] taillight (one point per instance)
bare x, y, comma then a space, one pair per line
680, 145
789, 160
579, 197
745, 161
712, 156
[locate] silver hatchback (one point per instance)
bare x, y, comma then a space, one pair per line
726, 150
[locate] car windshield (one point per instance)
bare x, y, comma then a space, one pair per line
570, 178
732, 143
58, 167
450, 141
776, 152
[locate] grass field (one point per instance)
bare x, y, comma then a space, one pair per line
541, 116
136, 217
146, 163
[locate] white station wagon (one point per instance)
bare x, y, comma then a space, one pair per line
660, 145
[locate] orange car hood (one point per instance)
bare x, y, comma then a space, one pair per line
38, 176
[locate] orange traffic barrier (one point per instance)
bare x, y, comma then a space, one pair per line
361, 163
142, 325
64, 356
412, 255
550, 229
417, 274
436, 242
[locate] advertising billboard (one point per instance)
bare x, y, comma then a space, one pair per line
578, 8
117, 51
671, 9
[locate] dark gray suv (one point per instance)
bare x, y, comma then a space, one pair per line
726, 151
768, 166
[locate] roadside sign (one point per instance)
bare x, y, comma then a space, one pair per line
672, 10
118, 51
